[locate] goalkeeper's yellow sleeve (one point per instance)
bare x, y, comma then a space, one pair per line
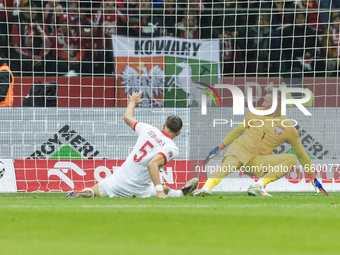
301, 154
234, 134
304, 159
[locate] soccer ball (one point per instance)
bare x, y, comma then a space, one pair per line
2, 169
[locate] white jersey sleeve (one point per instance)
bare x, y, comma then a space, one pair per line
169, 153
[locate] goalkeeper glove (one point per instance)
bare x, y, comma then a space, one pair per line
317, 185
214, 153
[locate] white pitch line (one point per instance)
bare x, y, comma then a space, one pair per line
56, 206
103, 206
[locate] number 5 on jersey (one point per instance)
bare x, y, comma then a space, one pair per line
143, 151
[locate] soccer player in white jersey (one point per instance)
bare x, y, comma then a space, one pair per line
139, 174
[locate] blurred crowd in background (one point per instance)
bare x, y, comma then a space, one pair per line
258, 37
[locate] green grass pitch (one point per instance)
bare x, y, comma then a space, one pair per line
229, 223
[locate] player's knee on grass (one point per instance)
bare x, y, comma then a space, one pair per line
232, 161
230, 164
291, 160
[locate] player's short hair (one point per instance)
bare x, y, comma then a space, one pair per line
174, 123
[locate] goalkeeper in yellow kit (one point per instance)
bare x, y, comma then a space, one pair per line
251, 152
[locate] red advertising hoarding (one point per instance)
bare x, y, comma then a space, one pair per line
325, 90
102, 91
65, 175
72, 92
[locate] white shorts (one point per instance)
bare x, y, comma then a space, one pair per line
110, 188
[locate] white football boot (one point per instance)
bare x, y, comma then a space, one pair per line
203, 192
87, 192
257, 190
190, 186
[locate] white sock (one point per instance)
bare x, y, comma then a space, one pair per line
89, 189
204, 189
175, 193
261, 184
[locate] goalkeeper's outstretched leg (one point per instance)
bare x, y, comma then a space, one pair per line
230, 164
271, 168
268, 167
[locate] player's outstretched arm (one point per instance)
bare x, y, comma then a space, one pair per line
153, 167
129, 112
